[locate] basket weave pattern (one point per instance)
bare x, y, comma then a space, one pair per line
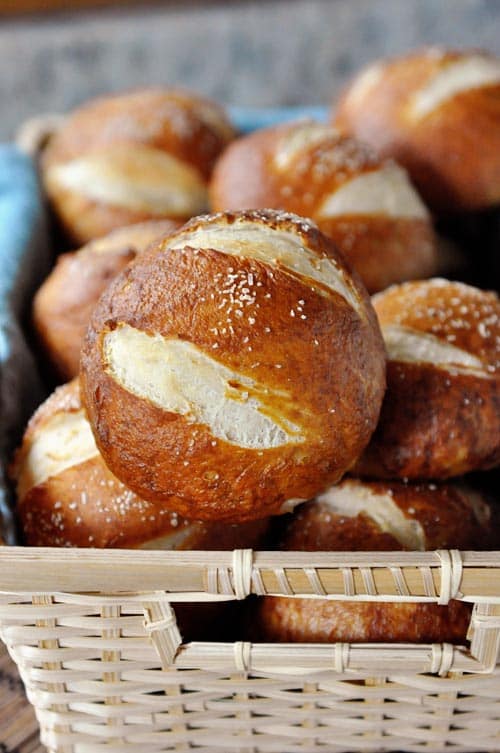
106, 670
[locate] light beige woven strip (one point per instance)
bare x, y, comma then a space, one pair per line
283, 582
428, 582
451, 575
257, 583
315, 582
441, 658
484, 634
188, 576
242, 572
160, 624
400, 582
341, 657
242, 656
347, 577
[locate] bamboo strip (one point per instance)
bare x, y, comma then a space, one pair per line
39, 570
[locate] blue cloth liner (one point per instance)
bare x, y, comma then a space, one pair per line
24, 262
248, 119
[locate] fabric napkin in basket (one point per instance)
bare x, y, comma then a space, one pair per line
24, 261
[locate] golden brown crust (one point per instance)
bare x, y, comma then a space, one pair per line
459, 314
437, 422
449, 517
247, 176
85, 505
433, 425
312, 621
63, 304
383, 249
328, 362
169, 119
83, 219
183, 125
452, 152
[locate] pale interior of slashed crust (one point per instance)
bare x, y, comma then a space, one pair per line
412, 346
364, 82
180, 378
63, 441
351, 499
291, 504
277, 248
386, 192
300, 138
136, 177
459, 76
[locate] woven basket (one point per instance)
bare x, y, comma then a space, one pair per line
97, 646
96, 642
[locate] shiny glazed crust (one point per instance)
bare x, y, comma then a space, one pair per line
438, 422
183, 125
84, 505
449, 517
304, 349
385, 250
251, 173
63, 304
452, 151
312, 621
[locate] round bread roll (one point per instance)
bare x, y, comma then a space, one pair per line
437, 112
377, 516
131, 157
67, 497
441, 412
237, 367
63, 304
365, 204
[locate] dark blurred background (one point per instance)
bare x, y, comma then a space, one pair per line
245, 52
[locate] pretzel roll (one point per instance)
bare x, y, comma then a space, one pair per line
131, 157
68, 497
237, 367
365, 204
437, 112
377, 516
63, 304
441, 413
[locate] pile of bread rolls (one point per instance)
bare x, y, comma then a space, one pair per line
234, 369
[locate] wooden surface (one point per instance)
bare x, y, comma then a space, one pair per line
18, 726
